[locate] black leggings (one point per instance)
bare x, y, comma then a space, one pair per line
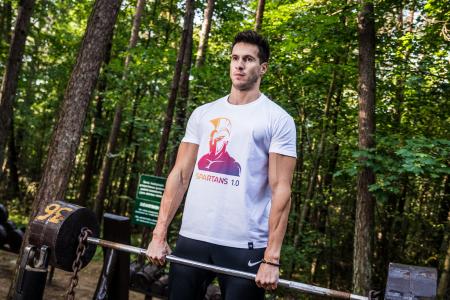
189, 283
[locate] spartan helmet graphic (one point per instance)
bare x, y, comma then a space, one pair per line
218, 160
220, 136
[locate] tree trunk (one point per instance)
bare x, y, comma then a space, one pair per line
188, 18
259, 15
13, 180
174, 90
328, 180
66, 136
112, 141
124, 171
333, 157
364, 219
135, 167
168, 28
133, 180
21, 131
11, 74
204, 34
7, 20
181, 103
444, 280
81, 84
94, 139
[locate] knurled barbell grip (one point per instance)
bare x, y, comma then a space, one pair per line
282, 282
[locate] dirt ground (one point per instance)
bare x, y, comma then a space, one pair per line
85, 289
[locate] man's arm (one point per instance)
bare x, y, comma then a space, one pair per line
176, 185
281, 169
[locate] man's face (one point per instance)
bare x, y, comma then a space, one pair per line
245, 68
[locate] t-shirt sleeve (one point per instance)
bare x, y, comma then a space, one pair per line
192, 131
284, 137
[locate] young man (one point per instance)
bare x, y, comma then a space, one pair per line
238, 154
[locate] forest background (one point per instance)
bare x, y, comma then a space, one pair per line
174, 61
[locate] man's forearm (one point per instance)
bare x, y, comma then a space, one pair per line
278, 219
176, 186
281, 169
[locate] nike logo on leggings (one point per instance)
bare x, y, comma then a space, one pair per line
252, 264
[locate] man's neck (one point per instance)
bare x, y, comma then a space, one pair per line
238, 97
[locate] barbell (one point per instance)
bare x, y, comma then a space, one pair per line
302, 287
59, 225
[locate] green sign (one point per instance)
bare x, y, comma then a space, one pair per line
148, 199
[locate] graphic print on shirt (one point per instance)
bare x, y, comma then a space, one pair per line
218, 160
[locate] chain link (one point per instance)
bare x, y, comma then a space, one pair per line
78, 263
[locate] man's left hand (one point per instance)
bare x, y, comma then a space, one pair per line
267, 277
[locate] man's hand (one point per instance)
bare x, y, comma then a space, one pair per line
267, 277
157, 251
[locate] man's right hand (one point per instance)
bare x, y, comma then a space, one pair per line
157, 251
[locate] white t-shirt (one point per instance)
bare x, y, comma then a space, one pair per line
228, 200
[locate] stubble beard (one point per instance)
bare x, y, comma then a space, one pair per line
248, 85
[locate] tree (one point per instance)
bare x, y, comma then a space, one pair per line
259, 15
5, 24
13, 182
115, 128
67, 133
204, 33
94, 139
444, 280
188, 17
182, 101
364, 219
11, 74
66, 136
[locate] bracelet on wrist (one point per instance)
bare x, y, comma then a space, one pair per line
270, 263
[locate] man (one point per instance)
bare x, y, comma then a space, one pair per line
237, 157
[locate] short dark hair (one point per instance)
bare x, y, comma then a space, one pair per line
252, 37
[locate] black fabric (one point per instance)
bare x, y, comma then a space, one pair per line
189, 283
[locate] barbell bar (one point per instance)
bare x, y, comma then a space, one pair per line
302, 287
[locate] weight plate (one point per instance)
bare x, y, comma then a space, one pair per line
58, 226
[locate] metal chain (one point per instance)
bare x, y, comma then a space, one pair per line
78, 263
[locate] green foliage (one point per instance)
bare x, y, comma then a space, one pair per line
393, 159
17, 213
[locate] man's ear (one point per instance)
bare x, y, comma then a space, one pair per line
264, 67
